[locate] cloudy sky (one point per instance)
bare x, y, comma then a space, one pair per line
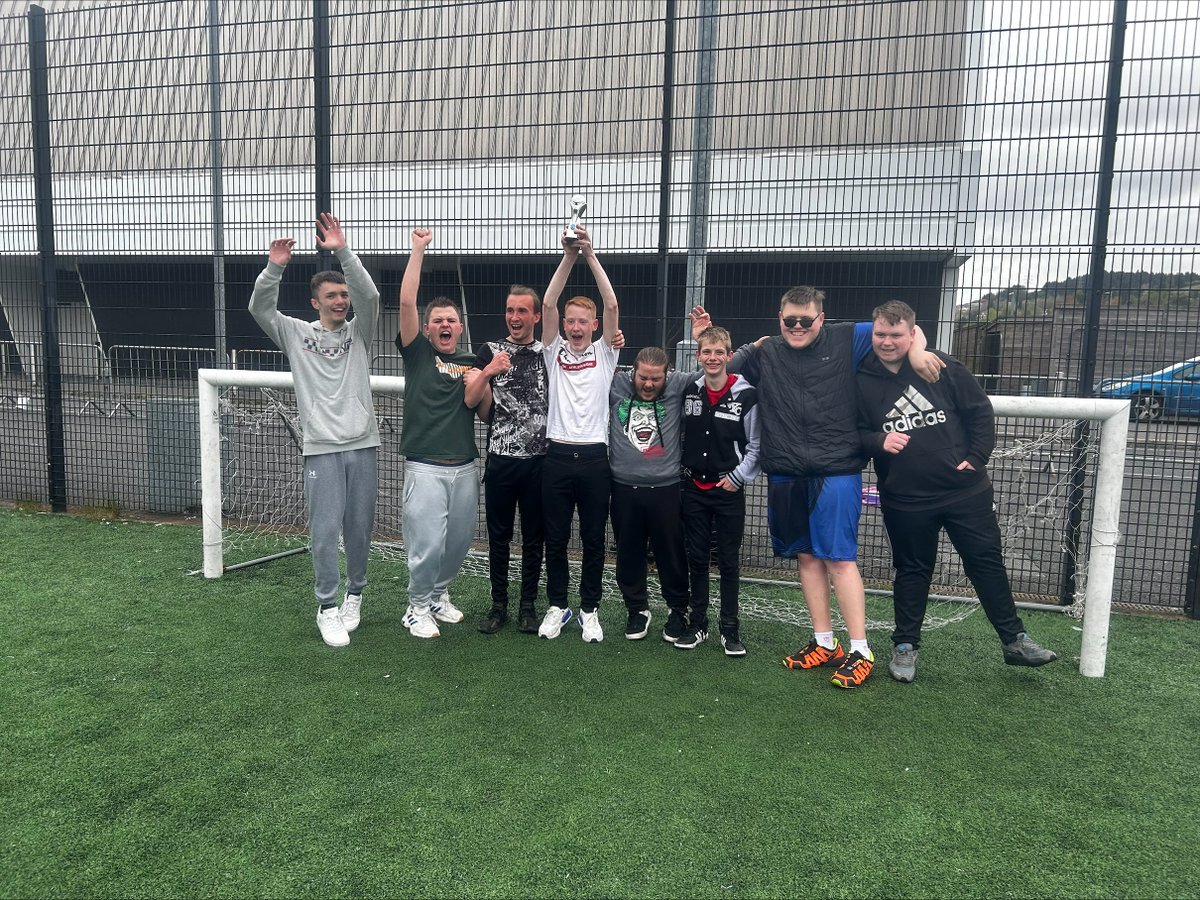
1040, 90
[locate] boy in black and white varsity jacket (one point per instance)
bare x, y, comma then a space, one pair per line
720, 456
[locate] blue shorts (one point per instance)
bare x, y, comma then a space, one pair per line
818, 516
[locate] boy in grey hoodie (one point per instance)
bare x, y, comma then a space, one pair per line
330, 361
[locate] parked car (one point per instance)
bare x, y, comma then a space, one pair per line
1173, 391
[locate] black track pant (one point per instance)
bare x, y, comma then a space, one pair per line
512, 483
703, 512
973, 530
649, 516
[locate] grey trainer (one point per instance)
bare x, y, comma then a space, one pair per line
1024, 652
903, 666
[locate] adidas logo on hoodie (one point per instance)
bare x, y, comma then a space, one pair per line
912, 411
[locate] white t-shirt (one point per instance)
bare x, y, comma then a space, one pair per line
578, 408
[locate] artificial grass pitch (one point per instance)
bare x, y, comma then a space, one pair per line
164, 735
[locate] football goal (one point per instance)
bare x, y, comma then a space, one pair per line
1058, 470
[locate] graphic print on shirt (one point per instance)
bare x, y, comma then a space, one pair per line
454, 370
574, 362
639, 422
912, 410
329, 350
519, 402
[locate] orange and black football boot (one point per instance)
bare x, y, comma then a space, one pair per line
814, 656
853, 672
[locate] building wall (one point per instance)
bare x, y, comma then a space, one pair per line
460, 81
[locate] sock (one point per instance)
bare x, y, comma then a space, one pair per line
861, 647
329, 605
824, 639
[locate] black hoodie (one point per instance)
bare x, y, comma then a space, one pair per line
947, 422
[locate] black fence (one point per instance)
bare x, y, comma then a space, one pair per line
1023, 174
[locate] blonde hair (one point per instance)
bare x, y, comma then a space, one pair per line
715, 334
583, 303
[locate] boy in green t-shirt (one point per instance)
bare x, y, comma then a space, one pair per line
441, 485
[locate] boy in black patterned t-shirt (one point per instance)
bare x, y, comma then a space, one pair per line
516, 371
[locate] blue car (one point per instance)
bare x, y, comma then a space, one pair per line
1170, 392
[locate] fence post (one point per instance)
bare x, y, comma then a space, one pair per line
1091, 316
701, 182
664, 181
218, 185
321, 124
39, 96
1191, 597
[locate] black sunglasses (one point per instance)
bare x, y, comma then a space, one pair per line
802, 321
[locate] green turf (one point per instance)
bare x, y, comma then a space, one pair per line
166, 736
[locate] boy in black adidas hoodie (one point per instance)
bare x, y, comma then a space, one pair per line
931, 443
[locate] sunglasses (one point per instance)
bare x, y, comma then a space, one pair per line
802, 321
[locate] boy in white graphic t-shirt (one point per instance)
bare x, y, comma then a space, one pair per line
575, 474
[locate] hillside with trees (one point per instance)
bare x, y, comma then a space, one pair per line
1145, 289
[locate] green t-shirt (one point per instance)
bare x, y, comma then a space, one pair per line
436, 423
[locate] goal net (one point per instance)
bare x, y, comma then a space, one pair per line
1057, 471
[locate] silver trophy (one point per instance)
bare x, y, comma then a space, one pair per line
578, 208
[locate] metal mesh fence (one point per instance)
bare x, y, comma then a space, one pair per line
948, 153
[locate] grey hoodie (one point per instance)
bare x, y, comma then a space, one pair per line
331, 369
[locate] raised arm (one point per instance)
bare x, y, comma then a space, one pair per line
264, 301
607, 295
364, 296
410, 317
550, 316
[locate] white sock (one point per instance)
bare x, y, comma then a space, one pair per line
861, 647
824, 639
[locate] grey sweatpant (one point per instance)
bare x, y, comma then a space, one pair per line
340, 489
441, 512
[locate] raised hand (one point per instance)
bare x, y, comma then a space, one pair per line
421, 238
583, 241
281, 251
700, 321
329, 233
618, 341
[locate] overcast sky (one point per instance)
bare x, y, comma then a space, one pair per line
1037, 97
1038, 127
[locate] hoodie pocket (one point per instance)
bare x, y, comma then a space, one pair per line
337, 421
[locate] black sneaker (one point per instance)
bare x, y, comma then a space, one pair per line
528, 620
733, 647
692, 639
1024, 652
494, 620
676, 627
639, 624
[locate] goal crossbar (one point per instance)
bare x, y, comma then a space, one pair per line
1113, 416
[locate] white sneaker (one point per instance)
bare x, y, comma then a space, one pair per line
592, 632
419, 622
445, 611
556, 617
333, 632
351, 611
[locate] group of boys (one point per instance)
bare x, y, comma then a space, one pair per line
569, 434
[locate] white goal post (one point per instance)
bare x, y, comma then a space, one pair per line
1113, 416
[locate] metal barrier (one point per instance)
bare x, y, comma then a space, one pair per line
140, 362
259, 360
